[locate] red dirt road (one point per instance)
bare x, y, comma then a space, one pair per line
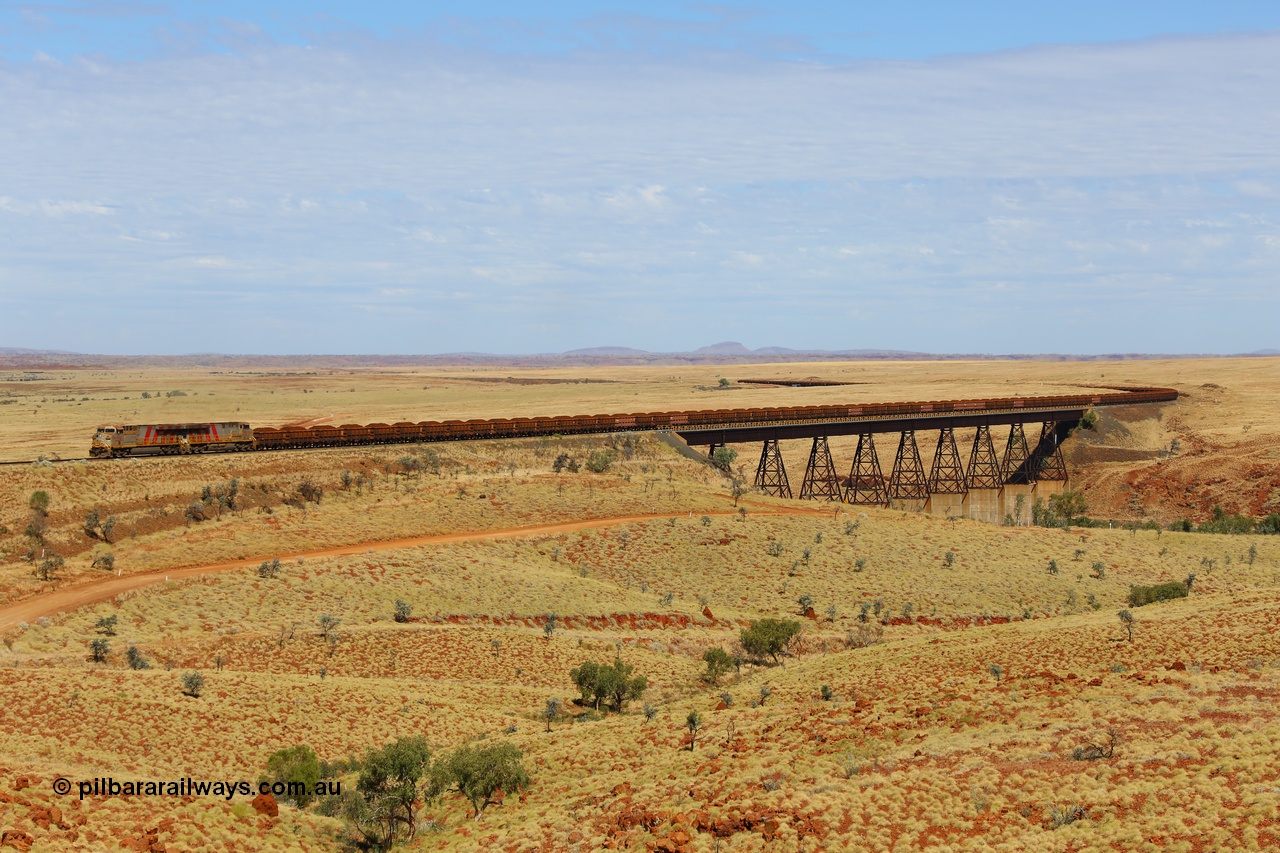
82, 595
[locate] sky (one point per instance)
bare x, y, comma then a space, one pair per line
437, 177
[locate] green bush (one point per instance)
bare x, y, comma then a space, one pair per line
599, 461
768, 637
298, 768
718, 663
383, 807
1143, 595
479, 772
614, 683
1221, 522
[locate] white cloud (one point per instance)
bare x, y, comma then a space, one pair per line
342, 176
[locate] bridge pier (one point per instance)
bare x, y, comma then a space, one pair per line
984, 479
1046, 458
947, 483
866, 484
908, 487
820, 481
771, 474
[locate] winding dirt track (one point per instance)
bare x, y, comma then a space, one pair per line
82, 595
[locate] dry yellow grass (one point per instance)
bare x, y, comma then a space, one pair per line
955, 733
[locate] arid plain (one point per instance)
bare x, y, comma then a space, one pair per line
943, 694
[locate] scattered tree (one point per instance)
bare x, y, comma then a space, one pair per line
106, 562
99, 649
718, 663
269, 568
599, 461
135, 658
768, 637
106, 625
298, 768
382, 808
404, 610
48, 568
1127, 620
723, 457
552, 711
192, 684
1067, 508
480, 772
693, 723
613, 683
327, 623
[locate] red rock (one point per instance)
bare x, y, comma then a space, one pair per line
1179, 666
21, 782
706, 611
265, 804
769, 829
720, 706
17, 839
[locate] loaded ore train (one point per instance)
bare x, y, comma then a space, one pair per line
153, 439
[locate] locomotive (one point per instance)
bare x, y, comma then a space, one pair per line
164, 439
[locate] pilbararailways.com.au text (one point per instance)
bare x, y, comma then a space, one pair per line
108, 786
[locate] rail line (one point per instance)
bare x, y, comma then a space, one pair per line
171, 439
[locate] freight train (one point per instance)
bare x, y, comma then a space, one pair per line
137, 440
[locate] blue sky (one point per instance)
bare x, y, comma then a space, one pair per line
440, 177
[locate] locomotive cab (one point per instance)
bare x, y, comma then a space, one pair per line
103, 441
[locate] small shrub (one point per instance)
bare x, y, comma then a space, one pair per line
599, 461
1140, 596
693, 723
1104, 748
718, 663
99, 649
327, 624
403, 610
135, 659
1059, 816
826, 693
864, 635
193, 684
552, 710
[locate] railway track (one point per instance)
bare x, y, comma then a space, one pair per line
198, 439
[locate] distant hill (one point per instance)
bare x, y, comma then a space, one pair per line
725, 352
